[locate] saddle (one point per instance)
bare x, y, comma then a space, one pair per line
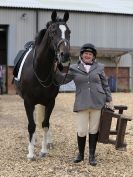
18, 59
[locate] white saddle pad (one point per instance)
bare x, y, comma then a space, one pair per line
21, 66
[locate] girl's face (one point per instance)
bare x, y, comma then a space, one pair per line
87, 57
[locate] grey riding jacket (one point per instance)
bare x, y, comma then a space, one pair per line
92, 89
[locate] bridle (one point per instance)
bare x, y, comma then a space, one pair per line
57, 58
58, 55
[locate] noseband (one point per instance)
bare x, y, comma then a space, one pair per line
58, 56
61, 41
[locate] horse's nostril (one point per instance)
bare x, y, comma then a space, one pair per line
62, 54
65, 57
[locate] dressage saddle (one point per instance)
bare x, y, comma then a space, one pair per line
18, 59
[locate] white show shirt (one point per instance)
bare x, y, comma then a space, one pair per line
87, 67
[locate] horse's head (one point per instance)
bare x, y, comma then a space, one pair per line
60, 37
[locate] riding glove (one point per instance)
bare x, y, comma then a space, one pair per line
109, 105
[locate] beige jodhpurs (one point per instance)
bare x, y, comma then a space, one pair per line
85, 119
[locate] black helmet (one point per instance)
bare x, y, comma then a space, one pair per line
88, 47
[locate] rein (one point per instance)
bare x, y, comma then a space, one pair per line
42, 82
64, 76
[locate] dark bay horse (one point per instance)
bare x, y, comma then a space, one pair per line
37, 84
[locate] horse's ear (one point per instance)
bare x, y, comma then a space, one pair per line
66, 16
53, 16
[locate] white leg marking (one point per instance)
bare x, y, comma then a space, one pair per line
49, 139
31, 148
44, 149
49, 136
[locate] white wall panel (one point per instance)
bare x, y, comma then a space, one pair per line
103, 30
20, 30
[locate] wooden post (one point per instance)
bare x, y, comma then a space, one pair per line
105, 125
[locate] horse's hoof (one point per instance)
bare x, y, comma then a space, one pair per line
50, 146
43, 154
31, 158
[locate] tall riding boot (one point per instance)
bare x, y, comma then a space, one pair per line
92, 147
81, 147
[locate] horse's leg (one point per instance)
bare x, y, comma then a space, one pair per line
49, 139
31, 128
45, 125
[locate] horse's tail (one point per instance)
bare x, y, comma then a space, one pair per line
40, 111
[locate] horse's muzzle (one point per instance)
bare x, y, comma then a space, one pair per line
64, 57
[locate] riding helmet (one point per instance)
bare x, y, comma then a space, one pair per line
88, 48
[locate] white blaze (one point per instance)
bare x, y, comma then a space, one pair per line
63, 29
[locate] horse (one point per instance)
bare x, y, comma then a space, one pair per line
37, 84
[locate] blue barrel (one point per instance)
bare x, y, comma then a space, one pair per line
112, 83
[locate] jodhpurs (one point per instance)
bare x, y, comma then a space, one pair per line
88, 120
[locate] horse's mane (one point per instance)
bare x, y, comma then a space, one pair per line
42, 32
39, 36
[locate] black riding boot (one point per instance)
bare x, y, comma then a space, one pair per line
92, 147
81, 147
